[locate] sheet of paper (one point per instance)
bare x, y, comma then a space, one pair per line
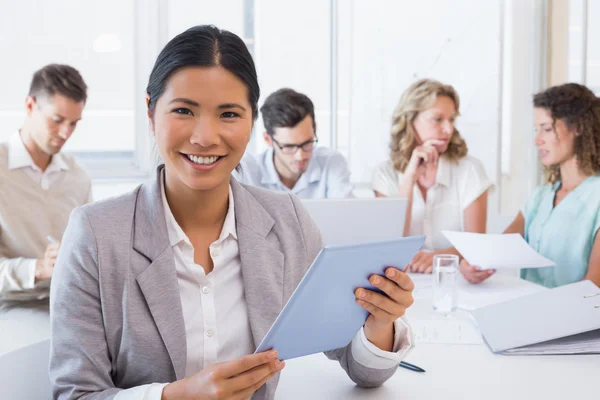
494, 290
446, 331
496, 251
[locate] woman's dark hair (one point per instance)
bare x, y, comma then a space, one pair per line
579, 108
286, 108
204, 46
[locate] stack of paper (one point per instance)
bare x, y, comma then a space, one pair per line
496, 251
25, 295
18, 297
584, 343
445, 331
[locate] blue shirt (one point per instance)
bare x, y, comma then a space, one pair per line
327, 175
564, 234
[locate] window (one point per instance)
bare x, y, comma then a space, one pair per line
584, 43
352, 58
288, 40
94, 37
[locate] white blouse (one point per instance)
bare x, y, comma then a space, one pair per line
457, 185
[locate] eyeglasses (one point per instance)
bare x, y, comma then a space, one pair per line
307, 146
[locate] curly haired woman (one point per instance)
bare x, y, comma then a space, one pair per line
562, 218
446, 189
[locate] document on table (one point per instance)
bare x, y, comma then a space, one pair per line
496, 251
446, 331
492, 291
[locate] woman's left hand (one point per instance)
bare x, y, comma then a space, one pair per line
422, 262
385, 308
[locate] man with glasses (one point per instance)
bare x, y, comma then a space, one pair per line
293, 162
40, 185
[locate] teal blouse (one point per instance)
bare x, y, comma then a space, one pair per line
564, 234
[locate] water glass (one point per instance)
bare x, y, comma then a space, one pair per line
445, 271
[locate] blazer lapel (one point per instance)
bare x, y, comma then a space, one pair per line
158, 281
262, 262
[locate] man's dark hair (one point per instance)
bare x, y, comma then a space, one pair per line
58, 79
286, 108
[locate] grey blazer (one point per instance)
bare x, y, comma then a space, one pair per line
116, 314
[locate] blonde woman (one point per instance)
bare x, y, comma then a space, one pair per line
446, 189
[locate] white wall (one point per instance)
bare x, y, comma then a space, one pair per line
458, 43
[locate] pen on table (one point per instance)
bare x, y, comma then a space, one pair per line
51, 239
412, 367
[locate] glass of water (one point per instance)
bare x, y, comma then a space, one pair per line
445, 270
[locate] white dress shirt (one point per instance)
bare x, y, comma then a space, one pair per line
327, 175
215, 313
457, 185
19, 157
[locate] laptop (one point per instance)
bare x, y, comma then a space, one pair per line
353, 221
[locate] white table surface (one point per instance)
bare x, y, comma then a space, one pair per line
21, 326
454, 371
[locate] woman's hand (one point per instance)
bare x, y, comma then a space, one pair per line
473, 274
232, 380
385, 308
422, 262
421, 156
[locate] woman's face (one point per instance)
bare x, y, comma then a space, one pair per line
554, 140
202, 124
436, 123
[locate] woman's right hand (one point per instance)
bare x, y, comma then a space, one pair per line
232, 380
474, 275
422, 155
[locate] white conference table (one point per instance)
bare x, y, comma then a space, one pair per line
454, 371
21, 326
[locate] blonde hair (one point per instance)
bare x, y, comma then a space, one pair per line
419, 97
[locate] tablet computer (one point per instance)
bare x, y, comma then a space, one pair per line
321, 314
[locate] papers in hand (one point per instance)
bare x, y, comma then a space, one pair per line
496, 251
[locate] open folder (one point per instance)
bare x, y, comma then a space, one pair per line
563, 320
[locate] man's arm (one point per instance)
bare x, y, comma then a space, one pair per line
16, 273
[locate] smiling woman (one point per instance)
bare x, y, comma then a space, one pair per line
174, 284
202, 123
